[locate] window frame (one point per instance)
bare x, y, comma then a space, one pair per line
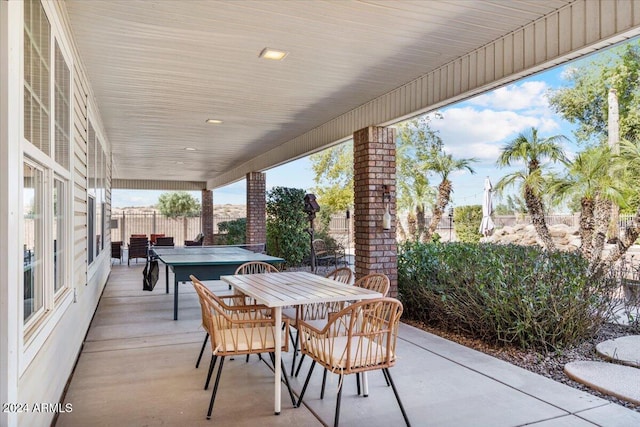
55, 302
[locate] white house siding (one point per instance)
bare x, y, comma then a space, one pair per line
38, 373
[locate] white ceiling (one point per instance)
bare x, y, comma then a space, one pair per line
160, 68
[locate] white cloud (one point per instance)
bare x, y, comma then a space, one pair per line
470, 132
521, 96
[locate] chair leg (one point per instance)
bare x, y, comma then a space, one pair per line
358, 382
324, 382
336, 420
393, 386
211, 365
306, 383
299, 365
247, 359
204, 344
215, 388
386, 378
295, 351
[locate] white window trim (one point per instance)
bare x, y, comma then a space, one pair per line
34, 333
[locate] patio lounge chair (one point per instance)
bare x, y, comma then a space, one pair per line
327, 255
236, 331
116, 250
195, 242
138, 248
164, 241
362, 337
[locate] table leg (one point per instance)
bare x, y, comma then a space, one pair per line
175, 298
166, 276
278, 353
365, 384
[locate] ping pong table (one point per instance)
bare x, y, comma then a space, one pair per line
204, 262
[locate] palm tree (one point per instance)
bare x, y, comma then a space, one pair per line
588, 177
443, 164
627, 162
533, 151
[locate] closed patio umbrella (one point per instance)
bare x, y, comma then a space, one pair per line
486, 226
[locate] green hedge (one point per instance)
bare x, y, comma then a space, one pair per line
466, 223
503, 293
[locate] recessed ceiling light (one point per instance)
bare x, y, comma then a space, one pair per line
179, 163
275, 54
190, 149
214, 121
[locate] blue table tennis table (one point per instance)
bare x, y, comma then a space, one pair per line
205, 263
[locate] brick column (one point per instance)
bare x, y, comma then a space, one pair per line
256, 208
374, 155
207, 217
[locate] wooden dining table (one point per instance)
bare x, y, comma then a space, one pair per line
277, 290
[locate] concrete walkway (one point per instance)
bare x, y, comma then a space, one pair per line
137, 369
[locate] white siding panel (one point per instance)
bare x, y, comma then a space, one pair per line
592, 23
565, 31
578, 25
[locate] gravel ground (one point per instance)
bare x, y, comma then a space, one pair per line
550, 365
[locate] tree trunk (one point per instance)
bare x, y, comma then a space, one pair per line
411, 225
586, 227
444, 192
400, 230
629, 237
536, 210
601, 216
421, 222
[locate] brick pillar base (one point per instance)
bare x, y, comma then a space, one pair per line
207, 217
256, 208
374, 154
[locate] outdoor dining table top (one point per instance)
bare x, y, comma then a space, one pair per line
294, 288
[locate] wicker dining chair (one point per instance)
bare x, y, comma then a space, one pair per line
229, 302
236, 331
316, 312
361, 337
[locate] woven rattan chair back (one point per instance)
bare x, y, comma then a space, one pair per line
256, 267
342, 275
375, 282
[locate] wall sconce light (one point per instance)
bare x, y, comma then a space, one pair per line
386, 217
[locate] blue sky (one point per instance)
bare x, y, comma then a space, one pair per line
477, 127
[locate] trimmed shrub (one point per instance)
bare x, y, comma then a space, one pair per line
466, 223
287, 225
504, 293
232, 232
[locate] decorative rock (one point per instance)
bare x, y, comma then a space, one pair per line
625, 350
615, 380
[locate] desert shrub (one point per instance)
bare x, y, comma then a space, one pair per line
232, 232
466, 223
504, 293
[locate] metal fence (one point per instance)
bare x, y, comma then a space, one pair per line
127, 223
124, 224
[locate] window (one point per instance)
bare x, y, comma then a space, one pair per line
33, 199
62, 110
37, 35
59, 234
96, 173
47, 213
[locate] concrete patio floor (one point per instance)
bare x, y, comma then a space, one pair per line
137, 368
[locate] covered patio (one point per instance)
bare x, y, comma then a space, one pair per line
180, 95
137, 367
